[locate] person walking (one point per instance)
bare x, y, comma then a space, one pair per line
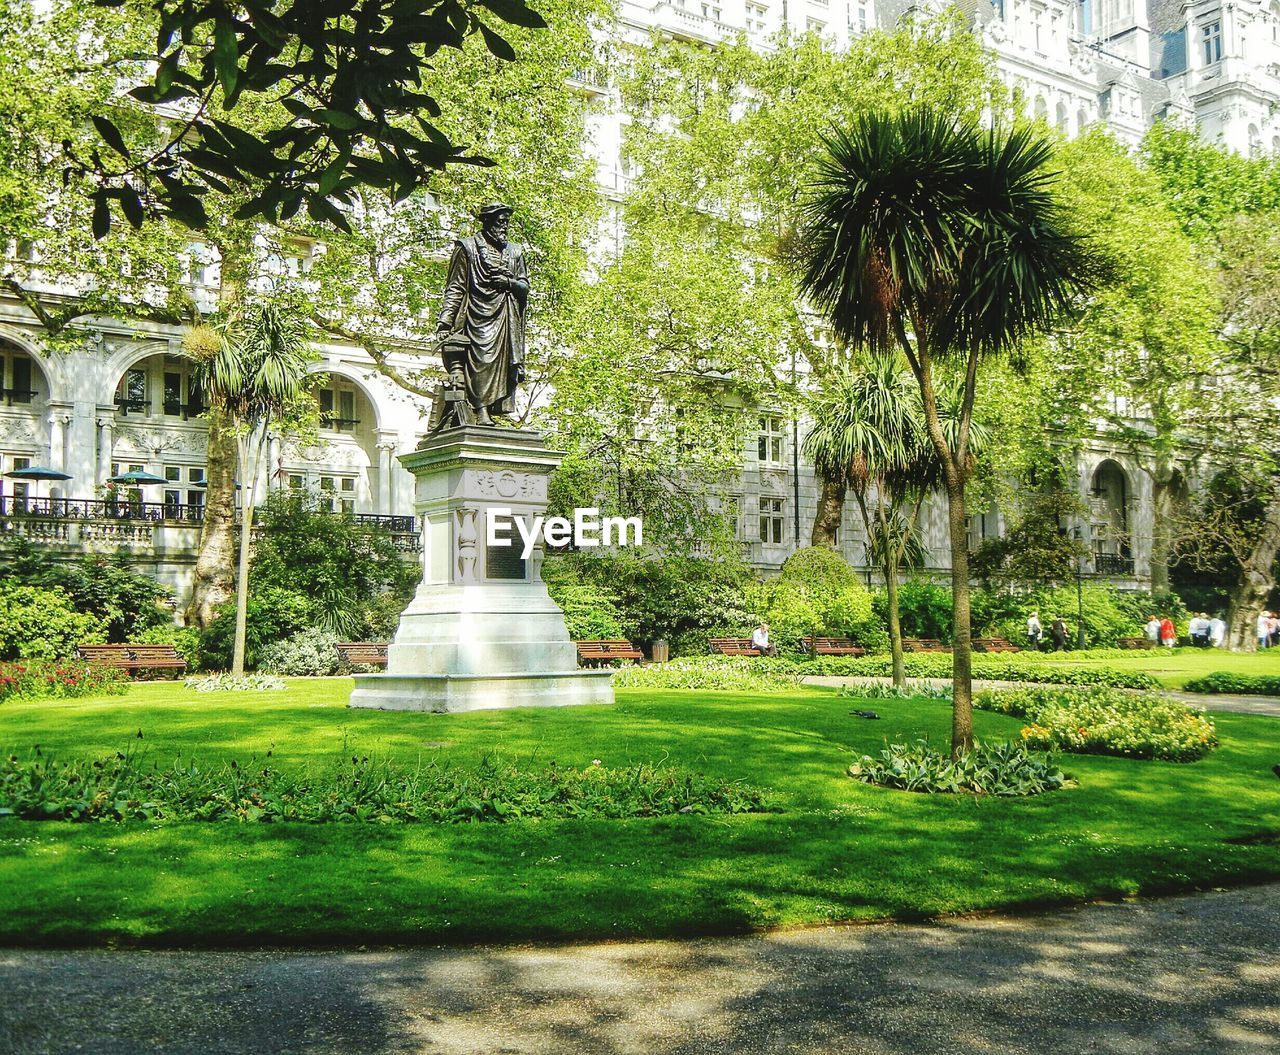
1153, 630
1217, 631
1264, 630
1199, 630
1034, 632
1058, 630
1168, 632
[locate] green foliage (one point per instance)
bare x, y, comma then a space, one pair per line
912, 690
924, 608
310, 653
129, 602
987, 769
712, 673
1037, 549
273, 614
684, 600
42, 679
1109, 614
37, 623
1104, 721
817, 592
236, 683
590, 612
1221, 681
363, 790
1023, 666
186, 639
350, 575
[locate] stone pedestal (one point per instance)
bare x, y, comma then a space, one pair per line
481, 631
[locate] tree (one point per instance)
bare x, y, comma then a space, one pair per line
255, 373
869, 435
945, 240
342, 93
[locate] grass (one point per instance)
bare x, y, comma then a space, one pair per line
839, 850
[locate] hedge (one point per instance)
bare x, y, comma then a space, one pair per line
1222, 681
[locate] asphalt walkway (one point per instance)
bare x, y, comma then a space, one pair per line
1197, 975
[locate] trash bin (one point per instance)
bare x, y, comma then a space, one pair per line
661, 651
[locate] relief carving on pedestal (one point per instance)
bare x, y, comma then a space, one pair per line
506, 483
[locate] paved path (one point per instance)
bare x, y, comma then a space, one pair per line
1243, 704
1196, 975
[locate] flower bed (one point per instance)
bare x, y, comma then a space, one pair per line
1222, 681
719, 673
1034, 667
123, 788
1005, 770
1102, 721
58, 680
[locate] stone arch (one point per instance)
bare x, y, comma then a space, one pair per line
358, 378
50, 369
1110, 491
1041, 108
1063, 121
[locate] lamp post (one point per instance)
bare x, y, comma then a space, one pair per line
1080, 592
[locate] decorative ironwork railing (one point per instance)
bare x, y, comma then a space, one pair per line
1112, 564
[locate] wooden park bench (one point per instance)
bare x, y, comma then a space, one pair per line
733, 646
832, 646
367, 653
1139, 643
133, 657
994, 644
594, 653
923, 644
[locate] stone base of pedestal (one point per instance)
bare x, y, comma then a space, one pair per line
450, 693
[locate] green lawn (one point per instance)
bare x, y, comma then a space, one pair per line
838, 850
1175, 668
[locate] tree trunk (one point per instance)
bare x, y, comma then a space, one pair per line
251, 448
214, 580
961, 643
1257, 580
826, 523
895, 621
1164, 509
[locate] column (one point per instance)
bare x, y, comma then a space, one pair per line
386, 459
106, 441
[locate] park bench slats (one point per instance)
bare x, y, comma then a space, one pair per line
133, 657
592, 653
733, 646
994, 644
923, 644
368, 653
832, 646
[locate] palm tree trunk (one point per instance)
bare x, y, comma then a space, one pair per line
895, 622
962, 636
214, 580
250, 456
826, 522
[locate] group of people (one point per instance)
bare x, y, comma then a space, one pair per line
1057, 633
1204, 632
1268, 630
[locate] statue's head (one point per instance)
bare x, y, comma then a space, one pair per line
494, 217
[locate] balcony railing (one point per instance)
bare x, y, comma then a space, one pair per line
338, 424
159, 512
1112, 564
138, 406
18, 395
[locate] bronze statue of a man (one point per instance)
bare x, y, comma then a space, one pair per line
482, 320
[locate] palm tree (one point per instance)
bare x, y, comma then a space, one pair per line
869, 434
255, 376
944, 240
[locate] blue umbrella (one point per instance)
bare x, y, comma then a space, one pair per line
138, 477
37, 472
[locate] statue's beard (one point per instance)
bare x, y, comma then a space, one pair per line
495, 239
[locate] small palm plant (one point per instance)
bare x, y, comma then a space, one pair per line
945, 241
254, 372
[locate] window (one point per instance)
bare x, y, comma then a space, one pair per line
297, 483
771, 520
1211, 42
338, 494
338, 409
772, 441
132, 393
21, 489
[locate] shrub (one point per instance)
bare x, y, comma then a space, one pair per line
185, 639
273, 614
924, 609
1004, 667
309, 653
129, 603
989, 769
590, 612
1221, 681
40, 679
1106, 722
363, 790
715, 673
817, 592
1108, 613
38, 623
230, 683
917, 690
